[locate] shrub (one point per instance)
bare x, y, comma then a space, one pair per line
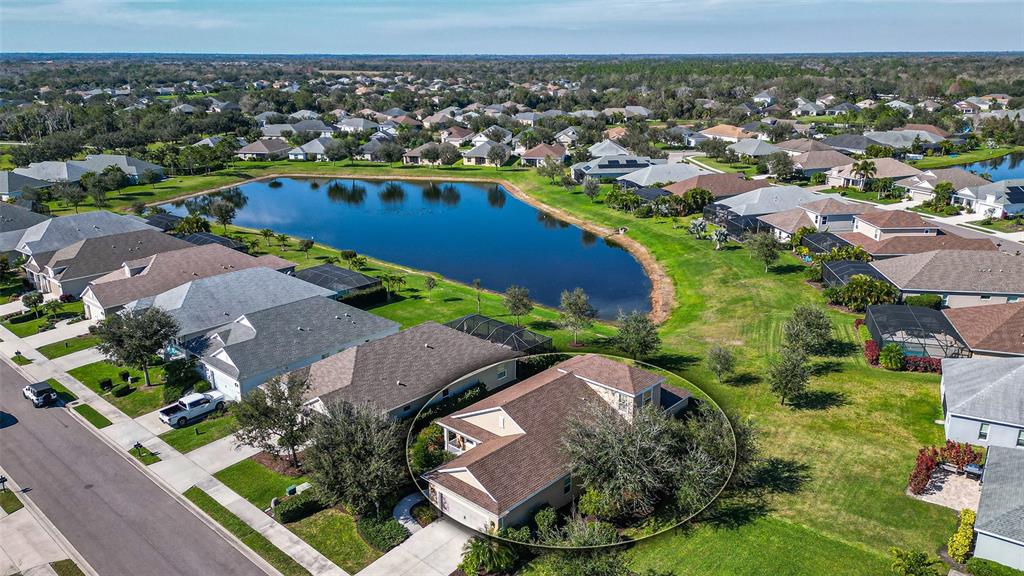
67, 298
818, 178
922, 364
892, 357
202, 386
959, 454
106, 384
925, 300
124, 375
927, 460
172, 394
453, 403
381, 534
595, 503
857, 323
546, 521
521, 534
960, 542
427, 450
295, 508
982, 567
121, 391
871, 352
864, 333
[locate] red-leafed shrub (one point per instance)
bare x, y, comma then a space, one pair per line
927, 460
871, 352
921, 364
959, 454
858, 323
66, 298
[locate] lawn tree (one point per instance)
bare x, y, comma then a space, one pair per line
113, 178
720, 361
32, 300
133, 337
591, 188
551, 169
252, 246
637, 336
305, 245
52, 307
282, 240
449, 154
568, 183
781, 165
575, 312
865, 170
788, 374
358, 262
356, 457
192, 224
477, 287
808, 329
764, 247
721, 236
429, 283
390, 152
943, 194
517, 301
271, 418
90, 181
432, 153
336, 150
695, 199
223, 212
699, 227
497, 156
913, 563
70, 193
267, 234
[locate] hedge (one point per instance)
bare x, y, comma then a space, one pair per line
925, 300
295, 508
864, 333
982, 567
381, 534
922, 364
959, 545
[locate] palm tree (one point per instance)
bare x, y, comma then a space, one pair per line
267, 234
866, 170
52, 307
282, 240
486, 555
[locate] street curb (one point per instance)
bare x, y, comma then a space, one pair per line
49, 528
230, 538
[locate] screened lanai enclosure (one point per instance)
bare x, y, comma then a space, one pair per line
820, 242
919, 331
514, 337
838, 272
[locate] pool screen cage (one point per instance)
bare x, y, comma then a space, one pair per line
820, 242
919, 331
514, 337
838, 272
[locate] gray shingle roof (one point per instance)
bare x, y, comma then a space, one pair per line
12, 183
56, 233
663, 173
985, 389
769, 200
1001, 509
968, 271
96, 256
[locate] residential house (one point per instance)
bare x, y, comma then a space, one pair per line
982, 401
901, 106
1001, 199
402, 373
494, 134
904, 139
607, 148
52, 234
69, 269
930, 128
264, 149
800, 146
721, 186
212, 141
727, 133
457, 136
744, 209
817, 161
866, 103
183, 109
843, 176
567, 137
890, 233
998, 526
415, 156
922, 186
637, 112
152, 275
850, 143
661, 174
764, 98
262, 344
12, 184
684, 135
828, 214
315, 127
315, 149
610, 167
929, 105
14, 221
72, 170
996, 330
370, 151
753, 148
614, 133
304, 114
480, 154
536, 155
438, 120
352, 125
961, 277
808, 109
967, 108
509, 462
842, 108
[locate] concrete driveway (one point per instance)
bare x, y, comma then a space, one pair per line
436, 550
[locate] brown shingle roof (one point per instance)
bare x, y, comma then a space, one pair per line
993, 328
803, 145
727, 131
966, 271
930, 128
556, 151
903, 245
895, 219
958, 177
884, 168
720, 185
831, 207
788, 221
95, 256
820, 159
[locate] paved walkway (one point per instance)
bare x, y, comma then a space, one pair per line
62, 331
220, 454
436, 550
25, 547
403, 511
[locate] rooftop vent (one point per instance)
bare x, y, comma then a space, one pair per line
399, 382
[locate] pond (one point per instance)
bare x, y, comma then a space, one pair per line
459, 230
1002, 168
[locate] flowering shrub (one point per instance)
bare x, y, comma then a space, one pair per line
871, 352
921, 364
858, 323
927, 460
959, 454
66, 298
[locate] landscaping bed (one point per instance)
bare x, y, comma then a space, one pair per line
27, 324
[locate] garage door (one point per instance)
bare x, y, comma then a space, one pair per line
463, 513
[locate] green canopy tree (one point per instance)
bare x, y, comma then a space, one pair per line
517, 301
637, 336
133, 337
271, 417
575, 312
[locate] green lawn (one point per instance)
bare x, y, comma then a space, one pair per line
92, 416
63, 393
66, 568
1008, 225
251, 538
858, 194
21, 360
141, 400
9, 501
738, 167
144, 455
333, 534
28, 324
965, 158
199, 434
69, 346
257, 483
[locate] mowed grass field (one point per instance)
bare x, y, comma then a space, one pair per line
834, 494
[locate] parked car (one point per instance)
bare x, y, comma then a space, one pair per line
41, 394
192, 406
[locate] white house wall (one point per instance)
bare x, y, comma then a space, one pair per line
1005, 552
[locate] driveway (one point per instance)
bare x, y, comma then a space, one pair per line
436, 550
112, 513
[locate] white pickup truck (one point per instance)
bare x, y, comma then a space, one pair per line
192, 406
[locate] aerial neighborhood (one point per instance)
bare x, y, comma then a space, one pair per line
364, 314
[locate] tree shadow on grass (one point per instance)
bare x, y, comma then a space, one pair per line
777, 476
825, 367
673, 361
735, 512
542, 325
743, 379
840, 348
781, 269
818, 400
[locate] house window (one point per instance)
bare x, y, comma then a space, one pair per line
623, 403
407, 408
983, 432
1020, 438
502, 373
985, 297
444, 393
648, 395
567, 485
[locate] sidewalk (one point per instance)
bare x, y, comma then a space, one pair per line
62, 331
435, 550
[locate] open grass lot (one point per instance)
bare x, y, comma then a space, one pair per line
141, 400
257, 483
1009, 225
965, 158
9, 502
92, 416
200, 434
28, 324
840, 457
253, 539
333, 534
69, 346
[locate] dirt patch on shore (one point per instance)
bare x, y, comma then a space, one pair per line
662, 295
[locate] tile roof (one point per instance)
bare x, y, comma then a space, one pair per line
1001, 508
967, 271
993, 328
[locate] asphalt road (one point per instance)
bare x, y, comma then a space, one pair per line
113, 514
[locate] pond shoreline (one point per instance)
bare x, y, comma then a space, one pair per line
662, 296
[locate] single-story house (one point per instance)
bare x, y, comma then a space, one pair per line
903, 245
1000, 199
815, 161
401, 373
415, 156
823, 214
493, 134
998, 527
314, 126
607, 148
12, 184
315, 149
342, 281
438, 120
149, 276
901, 106
70, 269
961, 277
52, 234
799, 146
567, 137
610, 167
661, 174
727, 132
352, 125
982, 401
264, 149
685, 135
753, 147
508, 461
457, 135
14, 220
72, 170
842, 176
842, 108
996, 330
850, 143
479, 155
744, 209
808, 109
536, 155
259, 345
721, 186
904, 139
922, 186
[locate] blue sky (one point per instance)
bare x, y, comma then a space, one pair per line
519, 27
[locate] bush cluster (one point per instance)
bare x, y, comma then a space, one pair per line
927, 460
924, 300
960, 542
453, 403
982, 567
295, 508
891, 357
871, 352
922, 364
381, 534
427, 450
121, 391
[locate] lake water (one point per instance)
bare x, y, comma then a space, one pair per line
459, 230
1003, 168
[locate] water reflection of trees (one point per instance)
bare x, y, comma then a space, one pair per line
549, 221
200, 205
588, 238
352, 194
446, 194
496, 197
392, 193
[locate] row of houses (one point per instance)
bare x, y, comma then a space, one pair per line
39, 175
